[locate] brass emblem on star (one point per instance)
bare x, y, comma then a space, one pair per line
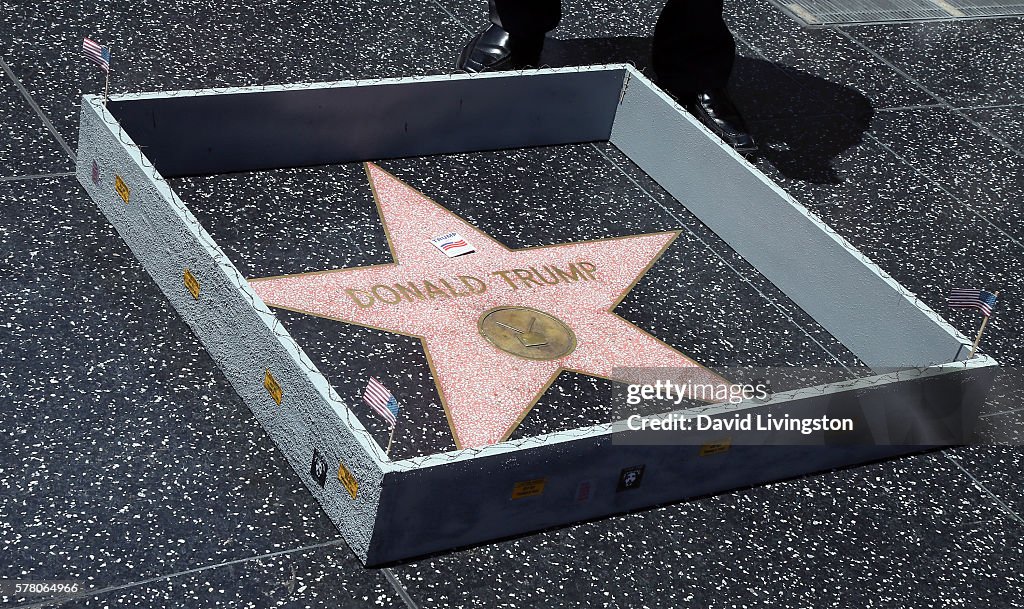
527, 333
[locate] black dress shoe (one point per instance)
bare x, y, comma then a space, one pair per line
495, 49
718, 113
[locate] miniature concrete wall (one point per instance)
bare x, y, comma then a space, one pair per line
418, 514
237, 329
403, 509
858, 303
328, 123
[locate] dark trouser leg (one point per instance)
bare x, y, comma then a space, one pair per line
514, 37
693, 56
526, 18
693, 49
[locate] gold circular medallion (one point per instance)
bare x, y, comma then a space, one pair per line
527, 332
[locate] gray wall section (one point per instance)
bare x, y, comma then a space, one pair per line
202, 134
420, 512
233, 326
866, 310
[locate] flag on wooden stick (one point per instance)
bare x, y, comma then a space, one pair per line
100, 55
383, 403
975, 299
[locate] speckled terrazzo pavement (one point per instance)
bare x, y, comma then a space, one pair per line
26, 148
228, 45
130, 470
127, 455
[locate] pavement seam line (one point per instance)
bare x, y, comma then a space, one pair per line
991, 106
902, 108
999, 502
39, 111
450, 14
996, 414
928, 91
917, 21
399, 588
36, 176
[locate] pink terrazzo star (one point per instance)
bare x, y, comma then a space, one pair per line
486, 392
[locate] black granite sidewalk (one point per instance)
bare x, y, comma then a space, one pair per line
128, 462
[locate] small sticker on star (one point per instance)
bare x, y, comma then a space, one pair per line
452, 245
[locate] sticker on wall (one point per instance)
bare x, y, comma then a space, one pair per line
715, 448
348, 480
122, 188
192, 284
272, 387
528, 488
630, 478
584, 491
95, 173
318, 468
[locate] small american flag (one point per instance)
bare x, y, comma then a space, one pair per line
381, 400
98, 53
973, 299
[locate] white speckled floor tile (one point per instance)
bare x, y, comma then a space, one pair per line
120, 441
960, 156
126, 453
1006, 123
967, 63
191, 44
26, 147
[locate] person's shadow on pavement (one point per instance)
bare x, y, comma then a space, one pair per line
801, 122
